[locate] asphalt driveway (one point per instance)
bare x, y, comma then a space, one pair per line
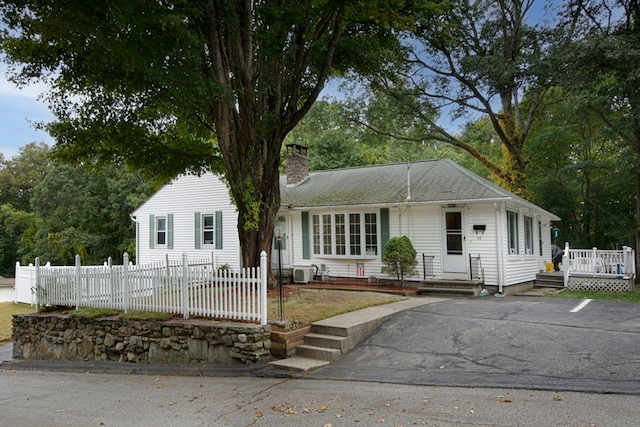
515, 342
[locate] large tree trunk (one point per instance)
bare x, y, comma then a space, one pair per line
265, 71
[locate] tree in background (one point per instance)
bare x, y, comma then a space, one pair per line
601, 65
476, 62
578, 171
54, 211
195, 85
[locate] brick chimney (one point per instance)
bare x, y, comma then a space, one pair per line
297, 165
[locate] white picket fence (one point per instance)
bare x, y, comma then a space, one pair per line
186, 287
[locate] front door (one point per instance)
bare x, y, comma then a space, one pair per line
454, 253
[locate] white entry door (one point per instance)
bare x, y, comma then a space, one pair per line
454, 252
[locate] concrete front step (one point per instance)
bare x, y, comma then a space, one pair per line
327, 341
320, 353
298, 364
448, 291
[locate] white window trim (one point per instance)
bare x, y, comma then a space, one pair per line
318, 235
204, 230
529, 240
513, 232
165, 231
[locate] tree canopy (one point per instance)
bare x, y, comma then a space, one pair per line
183, 85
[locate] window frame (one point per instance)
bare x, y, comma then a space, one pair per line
159, 231
529, 248
346, 235
205, 230
513, 239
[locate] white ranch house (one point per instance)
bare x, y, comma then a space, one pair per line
336, 222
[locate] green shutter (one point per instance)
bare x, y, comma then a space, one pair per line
306, 249
198, 230
170, 231
384, 228
218, 229
152, 231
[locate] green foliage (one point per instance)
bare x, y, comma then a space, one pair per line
67, 210
399, 257
579, 171
195, 86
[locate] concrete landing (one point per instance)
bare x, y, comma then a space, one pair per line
298, 364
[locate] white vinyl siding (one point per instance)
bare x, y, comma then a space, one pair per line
180, 201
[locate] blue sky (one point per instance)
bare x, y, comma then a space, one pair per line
19, 110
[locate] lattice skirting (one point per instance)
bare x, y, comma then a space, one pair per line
606, 284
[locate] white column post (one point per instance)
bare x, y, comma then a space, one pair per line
263, 288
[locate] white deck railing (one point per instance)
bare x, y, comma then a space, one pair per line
597, 262
186, 287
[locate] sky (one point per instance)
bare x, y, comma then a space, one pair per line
19, 110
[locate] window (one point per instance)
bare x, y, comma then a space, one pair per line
512, 232
326, 234
371, 234
161, 231
540, 237
208, 235
348, 235
208, 230
341, 235
528, 235
354, 235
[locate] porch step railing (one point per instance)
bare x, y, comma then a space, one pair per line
597, 262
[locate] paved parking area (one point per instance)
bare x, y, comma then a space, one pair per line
516, 342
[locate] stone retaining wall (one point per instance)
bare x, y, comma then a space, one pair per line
61, 337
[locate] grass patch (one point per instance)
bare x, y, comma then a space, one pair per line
93, 313
306, 306
600, 295
7, 310
302, 308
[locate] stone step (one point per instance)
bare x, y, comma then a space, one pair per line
319, 353
327, 341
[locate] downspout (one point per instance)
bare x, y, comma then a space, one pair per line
399, 219
499, 253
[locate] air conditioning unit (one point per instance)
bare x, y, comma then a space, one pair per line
302, 274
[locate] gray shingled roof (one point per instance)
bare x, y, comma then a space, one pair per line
432, 181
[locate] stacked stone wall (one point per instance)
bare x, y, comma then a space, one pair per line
61, 337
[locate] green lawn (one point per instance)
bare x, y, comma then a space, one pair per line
599, 295
8, 309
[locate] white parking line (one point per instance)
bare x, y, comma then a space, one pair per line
580, 306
